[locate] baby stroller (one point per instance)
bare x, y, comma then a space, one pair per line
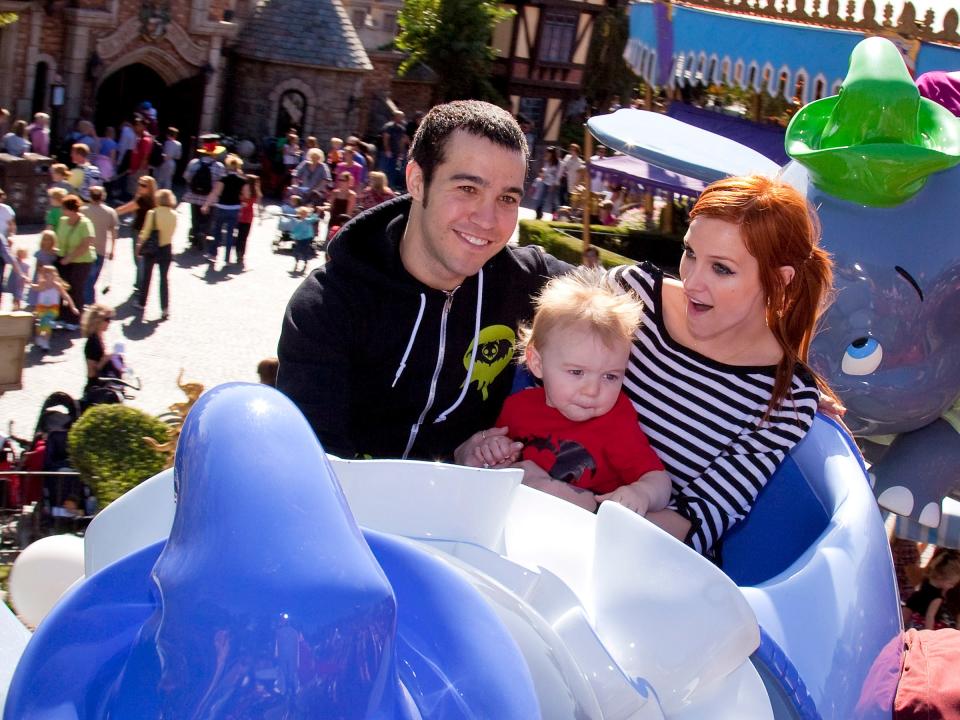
57, 415
283, 242
113, 387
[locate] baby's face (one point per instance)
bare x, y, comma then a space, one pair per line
582, 376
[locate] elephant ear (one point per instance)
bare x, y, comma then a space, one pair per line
676, 146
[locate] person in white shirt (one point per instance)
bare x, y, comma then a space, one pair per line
570, 168
172, 151
597, 182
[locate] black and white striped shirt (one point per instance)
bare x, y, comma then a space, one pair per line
704, 418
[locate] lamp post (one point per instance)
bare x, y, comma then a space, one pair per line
58, 93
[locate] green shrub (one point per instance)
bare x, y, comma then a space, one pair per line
564, 247
618, 245
107, 448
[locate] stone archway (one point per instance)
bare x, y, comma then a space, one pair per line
177, 98
169, 68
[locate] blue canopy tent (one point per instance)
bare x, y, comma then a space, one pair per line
624, 167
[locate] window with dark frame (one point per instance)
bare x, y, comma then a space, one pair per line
558, 36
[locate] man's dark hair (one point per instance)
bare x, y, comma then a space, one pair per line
472, 116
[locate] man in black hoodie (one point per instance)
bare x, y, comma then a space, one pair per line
401, 344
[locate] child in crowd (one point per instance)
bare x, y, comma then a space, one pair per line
288, 214
537, 189
58, 177
50, 290
19, 275
55, 196
578, 427
591, 258
606, 213
249, 205
941, 574
335, 224
46, 255
302, 232
335, 154
267, 370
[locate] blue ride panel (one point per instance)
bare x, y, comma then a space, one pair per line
266, 599
786, 519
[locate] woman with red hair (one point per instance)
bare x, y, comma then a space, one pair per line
718, 373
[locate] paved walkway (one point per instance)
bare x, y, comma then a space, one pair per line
224, 320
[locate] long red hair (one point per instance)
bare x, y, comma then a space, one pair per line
779, 228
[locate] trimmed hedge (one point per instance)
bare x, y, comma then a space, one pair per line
617, 245
107, 448
562, 246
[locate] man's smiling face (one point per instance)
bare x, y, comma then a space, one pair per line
467, 213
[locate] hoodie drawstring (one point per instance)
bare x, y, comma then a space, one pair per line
413, 336
473, 355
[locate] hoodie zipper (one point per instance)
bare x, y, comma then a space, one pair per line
431, 396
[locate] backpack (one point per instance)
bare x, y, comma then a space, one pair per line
156, 154
202, 181
91, 177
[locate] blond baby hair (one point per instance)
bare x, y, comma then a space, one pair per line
583, 298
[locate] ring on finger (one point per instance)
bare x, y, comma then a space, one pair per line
483, 434
486, 466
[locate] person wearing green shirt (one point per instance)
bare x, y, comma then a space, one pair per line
75, 236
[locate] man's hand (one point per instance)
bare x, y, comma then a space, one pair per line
488, 449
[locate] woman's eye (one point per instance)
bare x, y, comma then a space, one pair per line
688, 251
721, 269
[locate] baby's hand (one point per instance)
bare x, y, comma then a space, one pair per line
489, 448
631, 497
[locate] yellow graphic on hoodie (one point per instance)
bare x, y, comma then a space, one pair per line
495, 351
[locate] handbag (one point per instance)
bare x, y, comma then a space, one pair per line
151, 246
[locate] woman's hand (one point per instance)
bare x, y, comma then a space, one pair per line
832, 407
488, 448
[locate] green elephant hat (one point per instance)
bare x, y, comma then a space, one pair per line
877, 141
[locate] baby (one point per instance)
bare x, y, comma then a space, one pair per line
578, 426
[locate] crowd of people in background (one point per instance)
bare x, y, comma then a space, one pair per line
119, 182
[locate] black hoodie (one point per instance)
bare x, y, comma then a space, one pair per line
378, 362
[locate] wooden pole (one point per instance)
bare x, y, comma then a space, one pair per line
587, 197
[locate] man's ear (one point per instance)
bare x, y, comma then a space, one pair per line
415, 181
533, 361
787, 272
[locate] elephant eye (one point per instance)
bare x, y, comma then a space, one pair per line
862, 357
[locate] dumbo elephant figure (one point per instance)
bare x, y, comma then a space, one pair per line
879, 162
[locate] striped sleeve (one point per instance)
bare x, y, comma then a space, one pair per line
723, 493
